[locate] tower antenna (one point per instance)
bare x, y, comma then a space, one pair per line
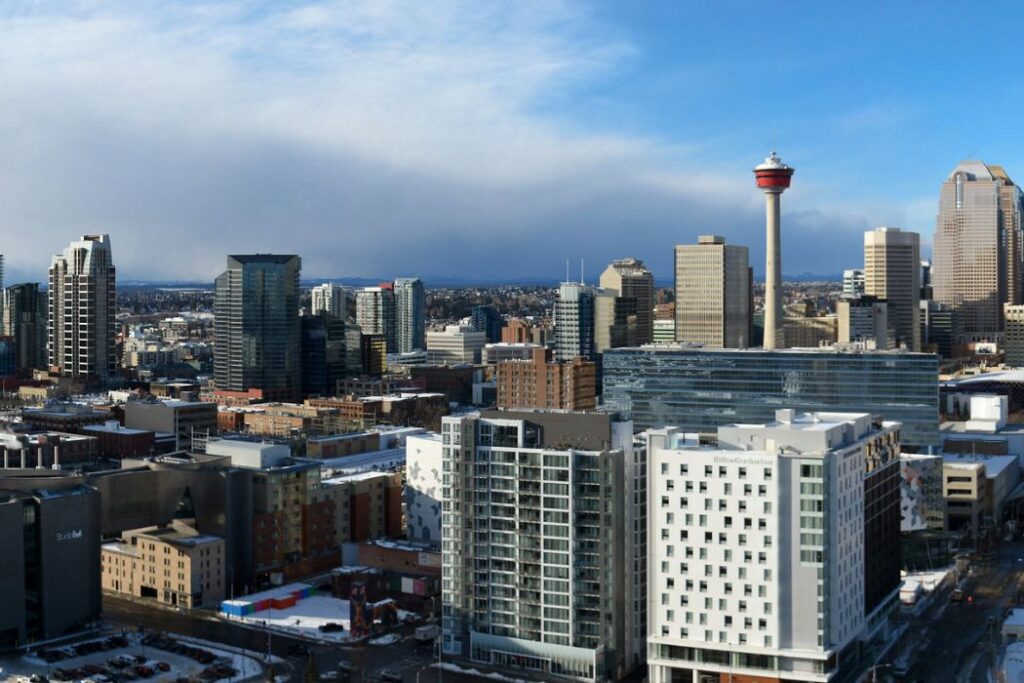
566, 270
581, 270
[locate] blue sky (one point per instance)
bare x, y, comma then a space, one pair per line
486, 140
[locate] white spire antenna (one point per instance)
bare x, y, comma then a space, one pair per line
566, 270
581, 271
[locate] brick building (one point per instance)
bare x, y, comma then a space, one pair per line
547, 384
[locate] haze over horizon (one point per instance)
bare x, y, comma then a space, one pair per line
465, 141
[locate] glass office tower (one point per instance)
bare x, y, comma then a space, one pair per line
701, 389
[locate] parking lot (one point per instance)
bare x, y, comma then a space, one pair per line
125, 658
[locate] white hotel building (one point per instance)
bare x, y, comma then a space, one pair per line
757, 564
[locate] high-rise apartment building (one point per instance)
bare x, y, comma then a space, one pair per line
700, 390
977, 248
713, 294
375, 313
410, 315
328, 298
892, 271
574, 321
544, 383
773, 550
24, 319
853, 282
632, 286
538, 561
257, 332
82, 308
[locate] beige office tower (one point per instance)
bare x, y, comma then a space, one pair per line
713, 294
892, 271
633, 312
976, 260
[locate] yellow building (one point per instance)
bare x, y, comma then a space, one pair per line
176, 565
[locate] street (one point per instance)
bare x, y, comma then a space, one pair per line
958, 641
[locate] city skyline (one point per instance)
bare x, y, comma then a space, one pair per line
457, 130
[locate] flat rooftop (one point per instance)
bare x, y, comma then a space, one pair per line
994, 464
361, 462
838, 350
114, 429
356, 476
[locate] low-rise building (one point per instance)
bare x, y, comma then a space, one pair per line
456, 345
493, 354
183, 419
368, 505
117, 442
810, 331
454, 381
62, 416
544, 383
175, 565
294, 516
976, 487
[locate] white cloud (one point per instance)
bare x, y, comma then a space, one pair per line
373, 138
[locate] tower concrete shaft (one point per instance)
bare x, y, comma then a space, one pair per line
773, 334
773, 177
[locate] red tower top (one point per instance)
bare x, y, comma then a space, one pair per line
773, 175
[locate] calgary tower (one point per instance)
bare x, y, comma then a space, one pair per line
773, 178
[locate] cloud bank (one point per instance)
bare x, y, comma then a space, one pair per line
372, 138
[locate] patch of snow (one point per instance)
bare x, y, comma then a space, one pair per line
304, 619
388, 639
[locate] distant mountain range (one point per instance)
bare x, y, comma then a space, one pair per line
439, 282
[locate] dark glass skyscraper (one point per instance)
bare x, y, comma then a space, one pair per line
257, 331
486, 319
25, 321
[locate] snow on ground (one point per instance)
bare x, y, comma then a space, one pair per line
493, 675
304, 618
388, 639
927, 580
